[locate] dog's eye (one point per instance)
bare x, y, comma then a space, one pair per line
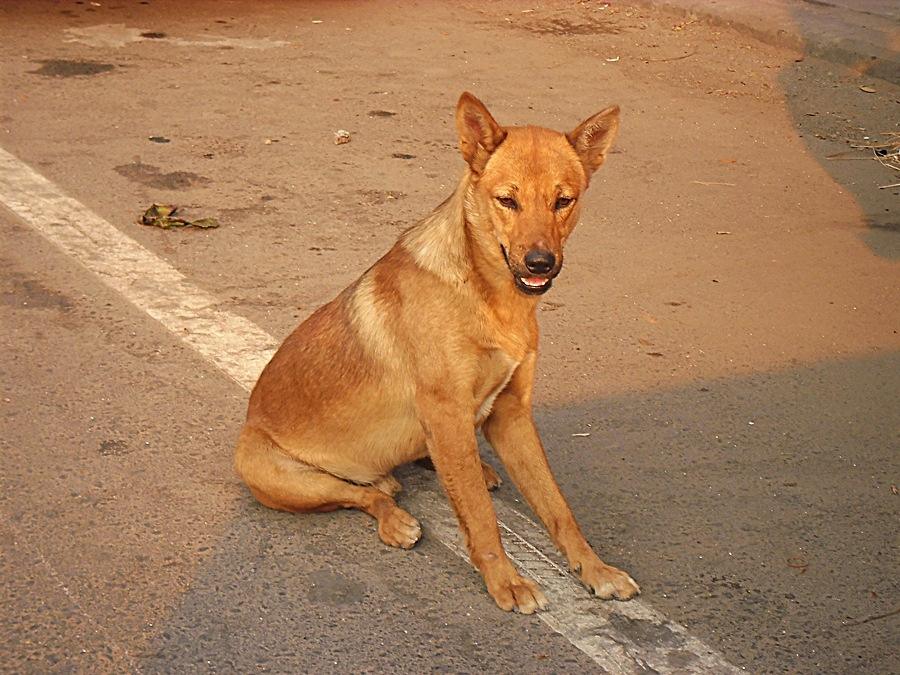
508, 202
562, 202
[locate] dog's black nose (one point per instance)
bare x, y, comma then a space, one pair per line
539, 262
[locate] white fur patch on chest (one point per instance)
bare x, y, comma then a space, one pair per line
485, 409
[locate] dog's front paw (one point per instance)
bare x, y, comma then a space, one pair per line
398, 528
515, 592
605, 581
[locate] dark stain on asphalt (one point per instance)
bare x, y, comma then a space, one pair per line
30, 294
334, 589
66, 68
153, 176
643, 631
888, 226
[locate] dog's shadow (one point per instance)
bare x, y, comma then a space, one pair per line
321, 592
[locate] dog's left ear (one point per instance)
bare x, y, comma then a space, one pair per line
479, 133
593, 137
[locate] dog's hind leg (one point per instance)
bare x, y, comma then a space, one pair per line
282, 483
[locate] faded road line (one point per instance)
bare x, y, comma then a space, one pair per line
622, 638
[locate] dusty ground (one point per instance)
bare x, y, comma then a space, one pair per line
726, 328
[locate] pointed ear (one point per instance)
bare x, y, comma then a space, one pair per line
479, 133
593, 137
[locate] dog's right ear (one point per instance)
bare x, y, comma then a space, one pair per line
479, 133
593, 137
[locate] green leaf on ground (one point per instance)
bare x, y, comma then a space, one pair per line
166, 217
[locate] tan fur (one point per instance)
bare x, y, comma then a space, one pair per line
438, 338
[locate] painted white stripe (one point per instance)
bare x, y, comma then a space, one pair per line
234, 344
620, 637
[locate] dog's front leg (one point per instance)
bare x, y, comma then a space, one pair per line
450, 436
511, 431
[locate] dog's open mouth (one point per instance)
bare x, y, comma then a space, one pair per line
533, 285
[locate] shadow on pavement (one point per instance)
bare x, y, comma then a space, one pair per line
756, 511
831, 110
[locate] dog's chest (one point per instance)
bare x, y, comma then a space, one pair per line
497, 368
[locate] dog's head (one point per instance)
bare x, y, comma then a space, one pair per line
527, 185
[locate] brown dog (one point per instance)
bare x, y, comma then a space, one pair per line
436, 339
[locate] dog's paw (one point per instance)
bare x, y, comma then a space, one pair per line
398, 528
491, 478
606, 581
515, 592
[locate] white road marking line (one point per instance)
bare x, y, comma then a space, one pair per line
620, 637
234, 344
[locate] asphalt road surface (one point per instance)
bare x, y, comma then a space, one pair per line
719, 375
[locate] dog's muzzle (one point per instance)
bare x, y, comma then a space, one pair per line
528, 283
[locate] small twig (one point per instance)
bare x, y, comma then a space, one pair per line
873, 618
890, 160
875, 146
674, 58
709, 182
885, 187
